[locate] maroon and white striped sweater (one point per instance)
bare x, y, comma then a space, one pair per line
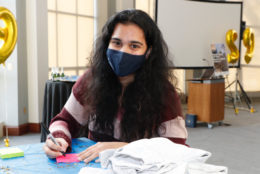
74, 116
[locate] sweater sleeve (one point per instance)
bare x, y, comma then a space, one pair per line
74, 115
173, 124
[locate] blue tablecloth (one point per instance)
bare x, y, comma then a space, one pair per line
36, 162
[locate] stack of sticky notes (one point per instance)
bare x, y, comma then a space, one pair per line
11, 152
68, 158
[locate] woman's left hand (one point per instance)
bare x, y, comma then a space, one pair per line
92, 152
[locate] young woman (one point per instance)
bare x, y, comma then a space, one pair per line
125, 95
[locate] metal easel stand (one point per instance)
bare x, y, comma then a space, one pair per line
238, 95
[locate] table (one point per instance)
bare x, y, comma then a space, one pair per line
55, 96
36, 162
206, 100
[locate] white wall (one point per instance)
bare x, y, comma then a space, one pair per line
9, 80
22, 82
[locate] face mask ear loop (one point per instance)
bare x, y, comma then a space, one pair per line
148, 52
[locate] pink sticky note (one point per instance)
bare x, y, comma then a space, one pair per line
68, 158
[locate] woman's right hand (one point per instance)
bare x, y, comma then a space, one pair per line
52, 150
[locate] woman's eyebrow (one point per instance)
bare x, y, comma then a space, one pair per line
136, 42
115, 38
132, 42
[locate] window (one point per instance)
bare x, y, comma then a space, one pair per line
70, 34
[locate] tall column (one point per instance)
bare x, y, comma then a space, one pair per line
37, 51
123, 4
100, 16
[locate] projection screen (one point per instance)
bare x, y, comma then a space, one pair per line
189, 27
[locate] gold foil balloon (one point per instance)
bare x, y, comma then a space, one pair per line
231, 36
8, 34
249, 43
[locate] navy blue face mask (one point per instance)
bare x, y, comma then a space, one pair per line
123, 63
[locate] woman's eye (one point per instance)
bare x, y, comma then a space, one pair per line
116, 43
134, 46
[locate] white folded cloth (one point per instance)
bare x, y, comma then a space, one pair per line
151, 156
202, 168
155, 155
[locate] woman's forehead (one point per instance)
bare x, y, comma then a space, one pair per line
128, 31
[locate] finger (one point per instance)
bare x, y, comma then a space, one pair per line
85, 155
83, 152
64, 145
91, 157
53, 146
50, 153
64, 148
97, 161
61, 141
88, 149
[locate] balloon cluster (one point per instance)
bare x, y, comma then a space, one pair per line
248, 41
8, 34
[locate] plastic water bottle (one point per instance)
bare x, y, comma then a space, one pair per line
62, 75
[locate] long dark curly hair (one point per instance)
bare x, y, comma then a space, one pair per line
144, 99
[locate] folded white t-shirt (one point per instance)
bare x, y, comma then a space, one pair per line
151, 156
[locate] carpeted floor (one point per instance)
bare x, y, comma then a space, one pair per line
235, 144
